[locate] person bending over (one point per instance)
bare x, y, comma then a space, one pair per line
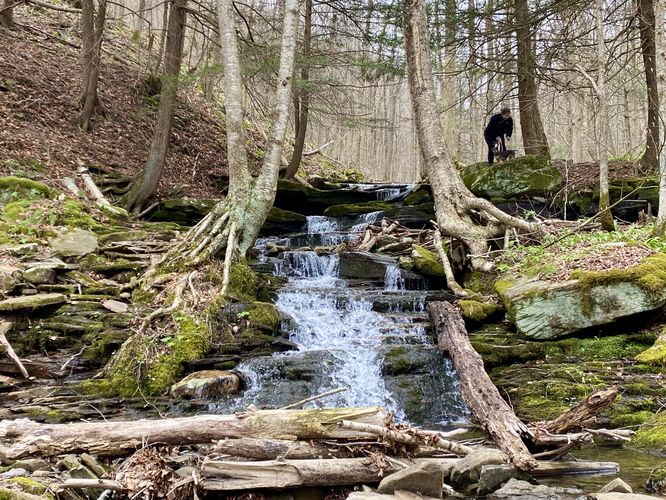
500, 125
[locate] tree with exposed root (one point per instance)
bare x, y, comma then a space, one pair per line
232, 226
460, 215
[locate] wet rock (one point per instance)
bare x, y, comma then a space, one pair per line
415, 217
281, 221
543, 310
621, 496
493, 477
207, 384
522, 490
39, 275
21, 250
352, 209
422, 194
364, 265
616, 486
32, 301
468, 469
426, 262
523, 177
74, 242
310, 201
426, 478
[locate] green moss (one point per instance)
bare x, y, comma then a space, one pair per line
537, 408
21, 188
475, 310
350, 209
426, 262
263, 316
421, 194
625, 420
655, 355
243, 282
651, 435
75, 214
29, 485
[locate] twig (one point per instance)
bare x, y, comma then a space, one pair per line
314, 398
145, 211
101, 484
71, 10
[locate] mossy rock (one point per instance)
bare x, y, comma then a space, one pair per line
12, 494
29, 485
422, 194
651, 435
243, 282
19, 188
310, 201
544, 310
656, 354
352, 209
426, 262
477, 311
523, 177
185, 211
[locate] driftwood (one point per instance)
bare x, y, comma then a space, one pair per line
412, 437
478, 391
226, 475
5, 346
580, 416
23, 437
221, 475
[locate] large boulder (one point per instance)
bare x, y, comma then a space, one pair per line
426, 478
364, 265
74, 242
281, 221
523, 177
544, 310
468, 470
205, 384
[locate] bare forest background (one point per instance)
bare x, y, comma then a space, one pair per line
359, 107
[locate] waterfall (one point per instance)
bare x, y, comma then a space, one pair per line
393, 279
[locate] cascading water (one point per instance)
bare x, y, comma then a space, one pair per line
371, 339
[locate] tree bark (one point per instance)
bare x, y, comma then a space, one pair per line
302, 98
660, 224
145, 183
534, 136
92, 32
454, 203
7, 14
578, 417
479, 393
603, 130
220, 475
23, 437
647, 30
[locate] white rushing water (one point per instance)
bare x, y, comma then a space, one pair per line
393, 279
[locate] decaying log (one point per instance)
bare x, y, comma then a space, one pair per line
92, 188
546, 468
23, 437
578, 417
271, 449
99, 484
478, 391
70, 185
220, 475
5, 346
408, 438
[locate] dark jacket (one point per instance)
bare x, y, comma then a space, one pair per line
498, 127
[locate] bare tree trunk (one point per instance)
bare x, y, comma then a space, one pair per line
162, 43
7, 14
92, 31
660, 223
145, 183
302, 97
646, 24
454, 203
604, 132
534, 136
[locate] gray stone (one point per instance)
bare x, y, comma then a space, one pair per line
32, 301
54, 263
115, 306
20, 250
621, 496
426, 478
93, 464
522, 490
494, 476
7, 282
187, 471
39, 275
207, 384
366, 495
32, 464
543, 310
364, 265
616, 486
74, 242
17, 472
468, 470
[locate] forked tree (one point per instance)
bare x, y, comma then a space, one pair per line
460, 215
232, 226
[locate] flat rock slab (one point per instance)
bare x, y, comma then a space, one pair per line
522, 490
622, 496
32, 301
74, 242
543, 310
426, 478
53, 263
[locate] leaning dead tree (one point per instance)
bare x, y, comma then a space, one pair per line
460, 214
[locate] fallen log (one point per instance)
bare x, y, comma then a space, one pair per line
218, 475
412, 437
478, 391
23, 437
223, 475
271, 449
579, 417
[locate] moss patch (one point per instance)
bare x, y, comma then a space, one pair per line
19, 188
243, 282
656, 354
29, 485
651, 436
426, 262
351, 209
475, 310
